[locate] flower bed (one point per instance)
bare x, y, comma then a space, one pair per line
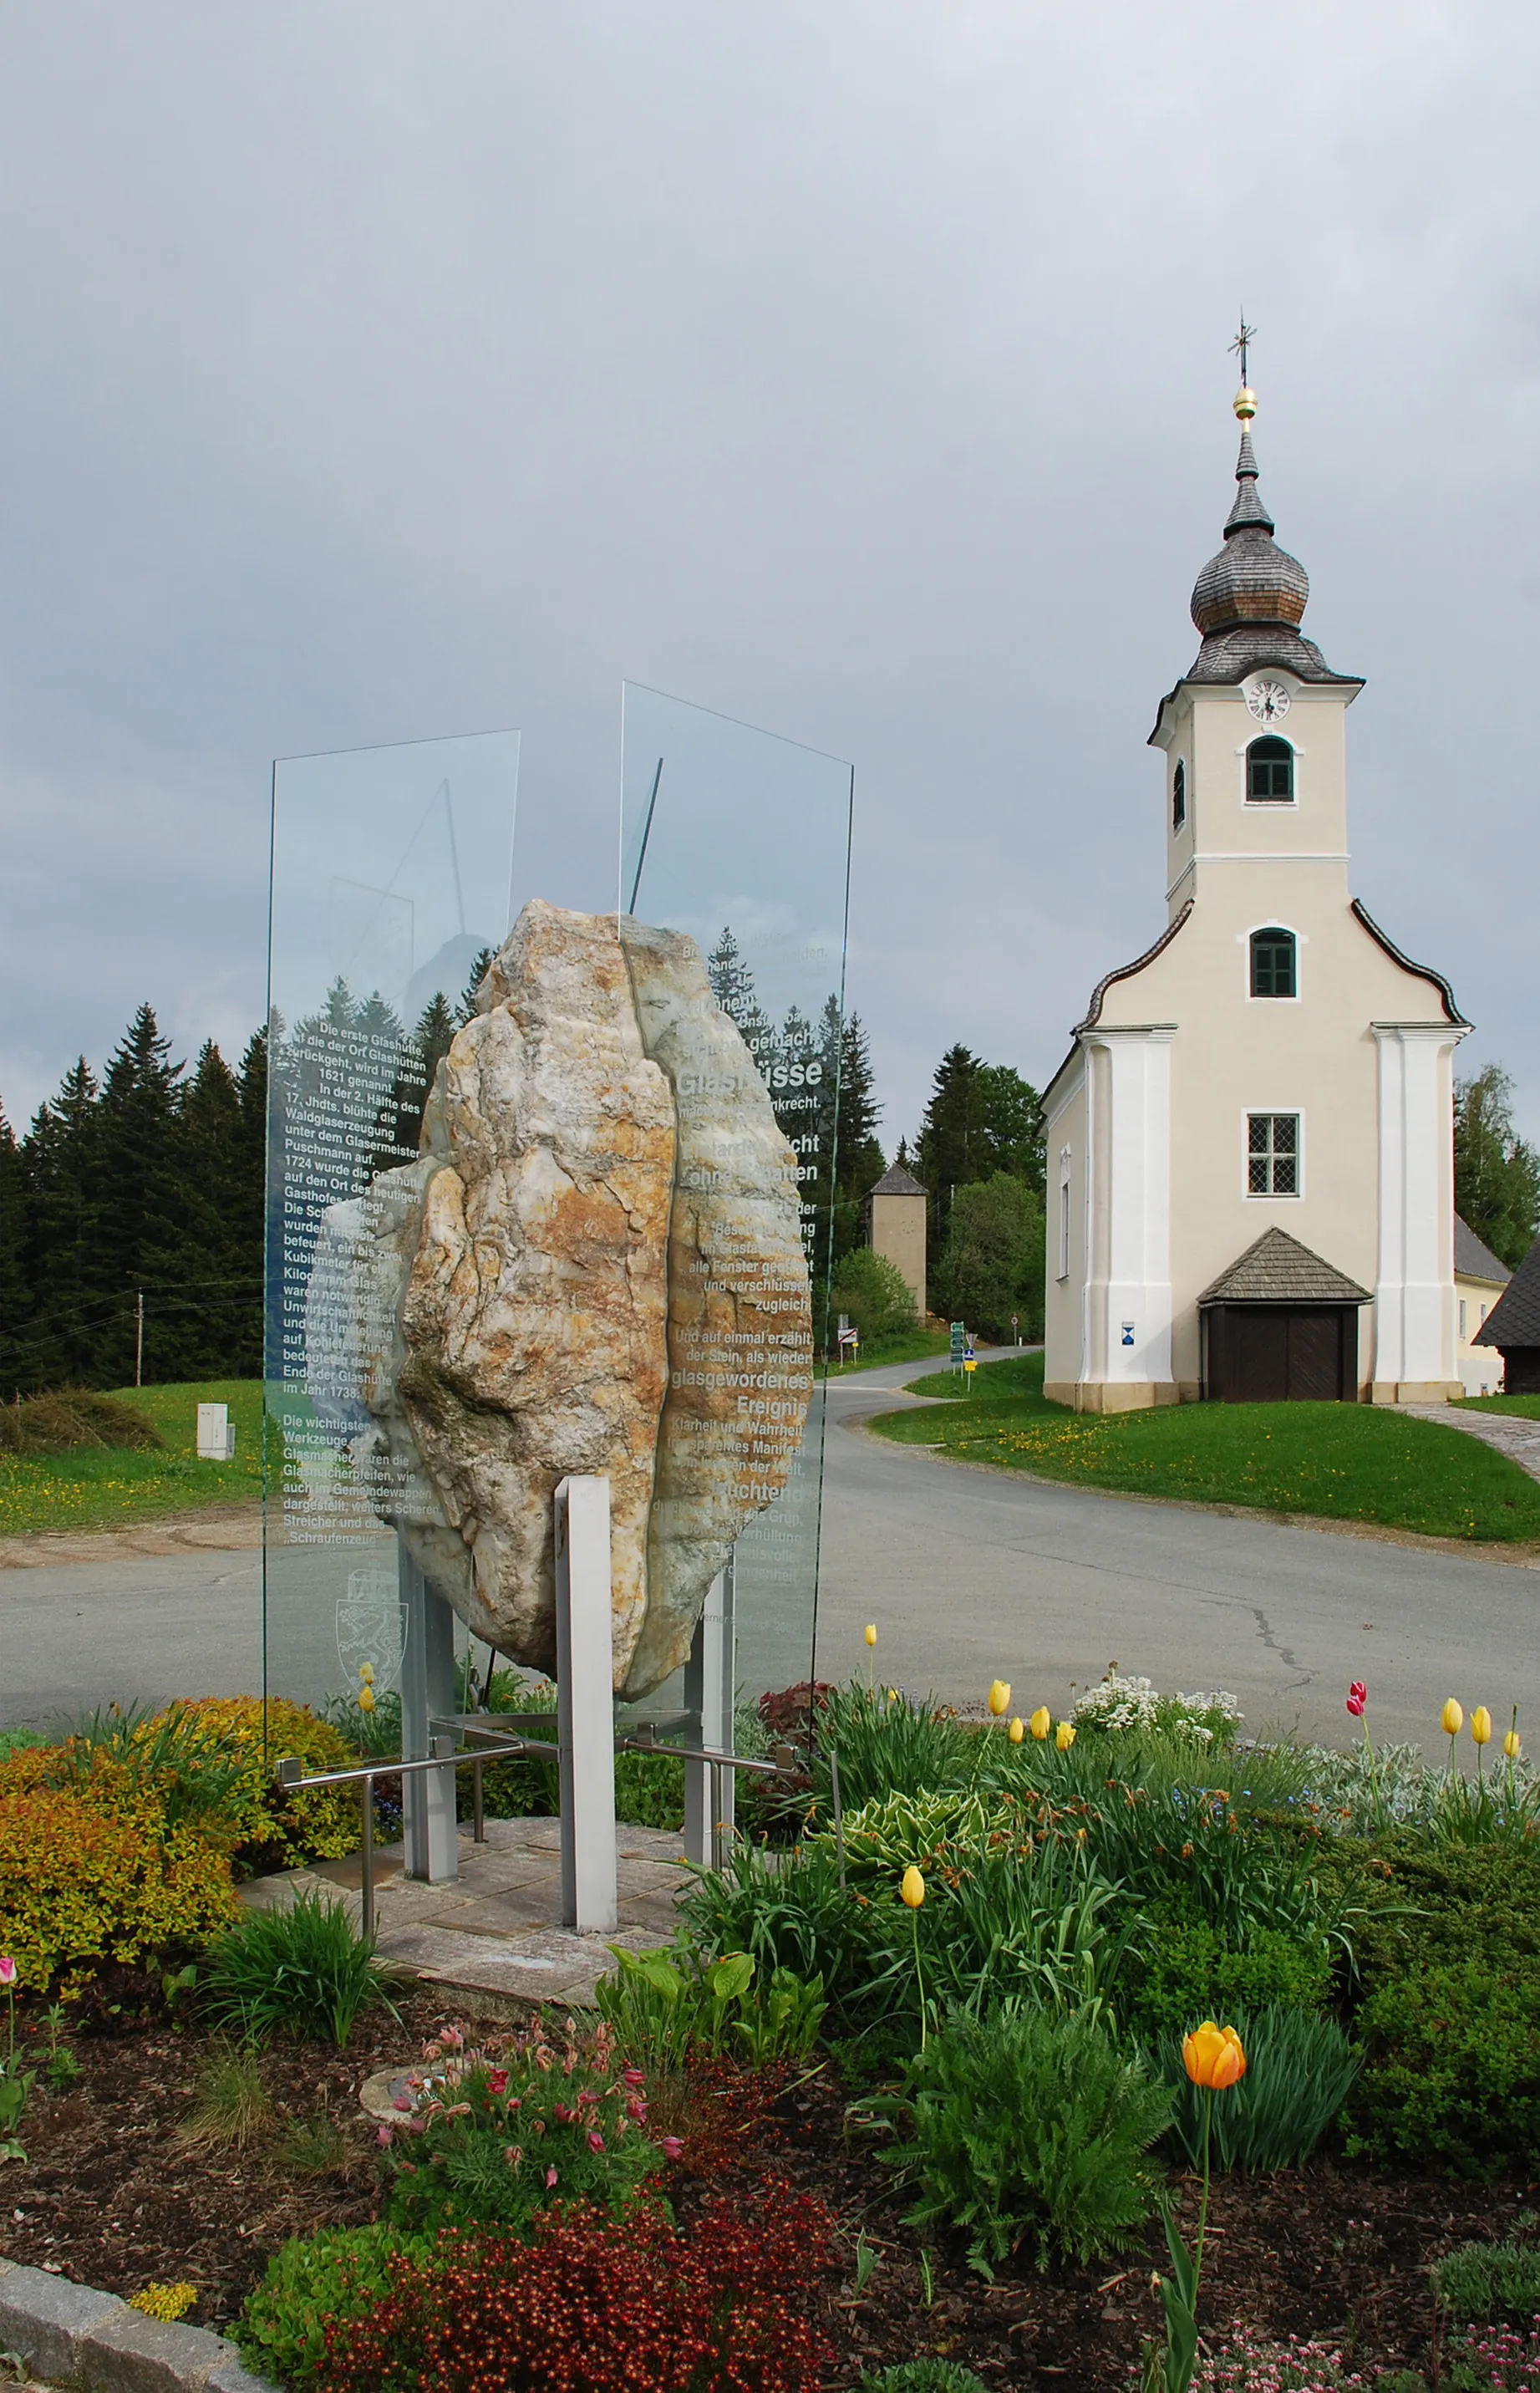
960, 2028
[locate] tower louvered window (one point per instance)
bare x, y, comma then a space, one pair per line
1269, 773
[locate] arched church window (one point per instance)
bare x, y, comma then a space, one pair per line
1179, 795
1270, 772
1272, 963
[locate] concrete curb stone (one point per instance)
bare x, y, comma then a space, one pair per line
72, 2336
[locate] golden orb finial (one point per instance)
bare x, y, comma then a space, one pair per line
1245, 404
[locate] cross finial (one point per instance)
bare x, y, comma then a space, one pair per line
1242, 342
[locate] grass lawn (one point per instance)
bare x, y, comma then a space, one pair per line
103, 1487
1528, 1407
1348, 1462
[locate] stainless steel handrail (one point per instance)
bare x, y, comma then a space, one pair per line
493, 1746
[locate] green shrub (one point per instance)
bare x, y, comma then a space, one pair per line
338, 2273
1028, 2127
1417, 1902
875, 1294
1452, 2074
1188, 1972
20, 1740
1481, 2282
923, 2376
1298, 2073
94, 1871
664, 2005
303, 1968
506, 2128
210, 1759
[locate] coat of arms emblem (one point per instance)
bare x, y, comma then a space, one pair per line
372, 1626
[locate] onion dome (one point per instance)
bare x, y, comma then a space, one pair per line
1252, 579
1248, 600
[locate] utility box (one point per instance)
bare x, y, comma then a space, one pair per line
215, 1433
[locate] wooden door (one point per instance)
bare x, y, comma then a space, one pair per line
1314, 1354
1255, 1369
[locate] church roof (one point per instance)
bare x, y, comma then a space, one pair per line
1514, 1320
1248, 599
1474, 1261
896, 1182
1277, 1269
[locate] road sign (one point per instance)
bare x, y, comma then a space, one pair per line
960, 1342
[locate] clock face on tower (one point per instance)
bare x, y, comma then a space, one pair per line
1268, 700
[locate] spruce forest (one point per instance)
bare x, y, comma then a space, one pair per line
147, 1184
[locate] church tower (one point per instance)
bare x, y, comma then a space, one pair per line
1249, 1144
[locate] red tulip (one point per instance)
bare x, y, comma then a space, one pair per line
1358, 1695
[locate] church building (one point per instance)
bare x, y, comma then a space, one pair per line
1249, 1144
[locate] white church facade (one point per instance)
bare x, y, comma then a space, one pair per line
1250, 1175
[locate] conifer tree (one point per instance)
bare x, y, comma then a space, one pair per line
953, 1143
15, 1306
466, 1009
66, 1276
143, 1209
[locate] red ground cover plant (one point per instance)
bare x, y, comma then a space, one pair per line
596, 2307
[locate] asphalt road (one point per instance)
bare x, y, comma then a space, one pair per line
973, 1574
970, 1574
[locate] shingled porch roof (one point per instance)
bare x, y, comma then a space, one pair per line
1277, 1269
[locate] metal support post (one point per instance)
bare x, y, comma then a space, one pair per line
585, 1705
427, 1694
709, 1685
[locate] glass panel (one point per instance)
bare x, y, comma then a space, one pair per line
390, 874
743, 840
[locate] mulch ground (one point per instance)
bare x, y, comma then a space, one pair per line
111, 2195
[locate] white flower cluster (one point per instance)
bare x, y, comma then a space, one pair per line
1121, 1704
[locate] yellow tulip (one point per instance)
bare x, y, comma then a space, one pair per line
1016, 1732
913, 1887
1042, 1722
1065, 1737
871, 1632
1511, 1746
1452, 1717
366, 1672
1213, 2057
365, 1699
1000, 1697
1480, 1725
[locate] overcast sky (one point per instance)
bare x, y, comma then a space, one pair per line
855, 367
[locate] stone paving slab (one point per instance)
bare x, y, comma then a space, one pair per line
496, 1928
1510, 1433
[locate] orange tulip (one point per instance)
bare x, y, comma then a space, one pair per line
1213, 2057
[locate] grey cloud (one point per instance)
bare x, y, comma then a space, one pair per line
855, 369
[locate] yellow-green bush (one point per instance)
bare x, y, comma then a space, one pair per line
92, 1872
269, 1828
